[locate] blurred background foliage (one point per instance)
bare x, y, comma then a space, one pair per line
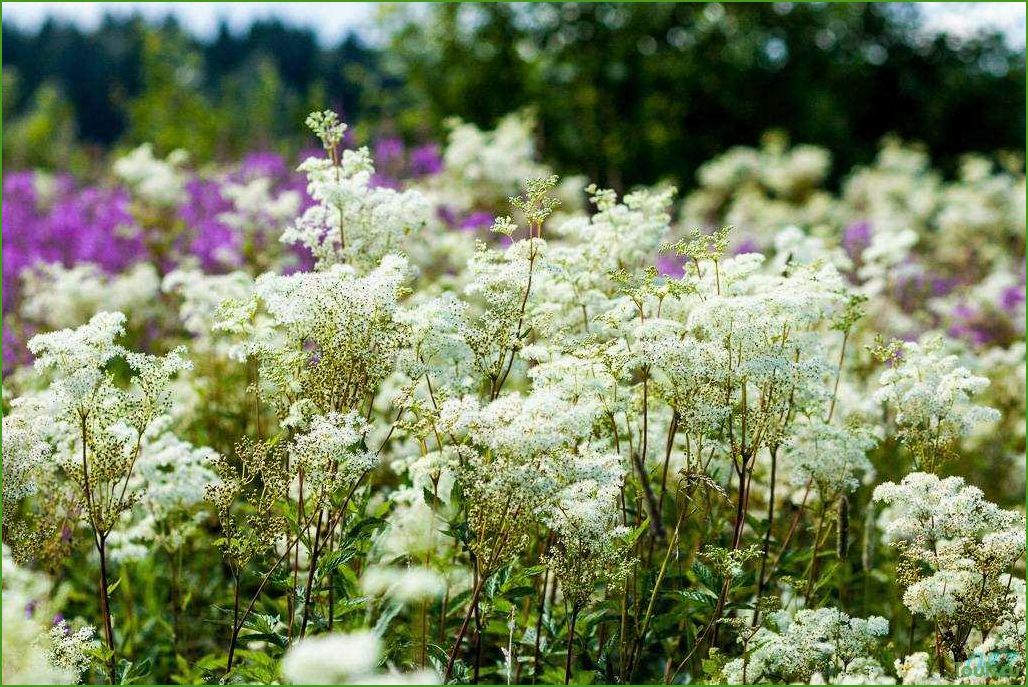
625, 93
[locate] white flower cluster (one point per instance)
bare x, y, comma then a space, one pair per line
490, 165
622, 234
70, 651
345, 659
578, 411
171, 477
102, 421
34, 654
332, 452
760, 191
908, 233
813, 645
257, 216
833, 458
353, 221
25, 454
931, 393
403, 584
157, 181
966, 544
58, 297
589, 544
201, 296
325, 339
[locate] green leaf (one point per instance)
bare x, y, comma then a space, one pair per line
707, 576
365, 528
131, 672
432, 500
638, 531
387, 616
704, 597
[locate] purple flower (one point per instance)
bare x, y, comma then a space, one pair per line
426, 160
389, 151
942, 286
447, 214
671, 266
747, 245
382, 180
311, 152
1012, 297
14, 351
92, 224
970, 324
476, 220
264, 164
210, 239
856, 237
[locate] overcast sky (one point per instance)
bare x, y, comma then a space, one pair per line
333, 20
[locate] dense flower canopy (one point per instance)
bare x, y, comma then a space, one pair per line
479, 424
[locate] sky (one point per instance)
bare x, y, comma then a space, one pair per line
331, 21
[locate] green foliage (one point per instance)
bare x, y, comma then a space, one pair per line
637, 93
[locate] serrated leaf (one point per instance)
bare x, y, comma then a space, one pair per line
432, 500
700, 596
706, 576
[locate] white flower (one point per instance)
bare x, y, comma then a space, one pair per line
942, 594
332, 450
157, 181
57, 296
70, 651
353, 222
812, 642
33, 652
932, 394
332, 659
202, 294
914, 670
925, 508
403, 584
25, 451
833, 457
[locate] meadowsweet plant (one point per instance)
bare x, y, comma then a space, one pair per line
101, 422
445, 417
957, 550
932, 396
352, 222
33, 655
824, 643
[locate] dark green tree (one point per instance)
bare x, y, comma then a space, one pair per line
632, 93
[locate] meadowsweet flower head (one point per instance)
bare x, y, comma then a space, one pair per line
333, 659
327, 127
33, 651
403, 584
157, 181
59, 297
833, 458
824, 641
932, 394
352, 222
957, 549
71, 651
332, 451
